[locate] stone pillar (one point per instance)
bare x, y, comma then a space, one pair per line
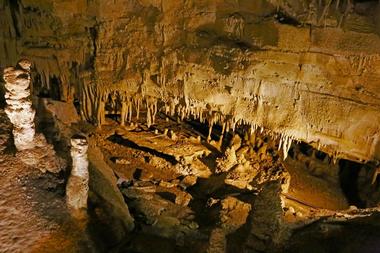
19, 105
77, 185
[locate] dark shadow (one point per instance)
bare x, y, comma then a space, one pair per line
306, 149
2, 93
167, 195
14, 8
348, 177
55, 88
284, 18
121, 141
355, 236
137, 174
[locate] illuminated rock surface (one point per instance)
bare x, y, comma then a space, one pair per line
32, 148
213, 126
305, 70
77, 185
19, 105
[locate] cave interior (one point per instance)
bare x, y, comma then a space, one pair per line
189, 126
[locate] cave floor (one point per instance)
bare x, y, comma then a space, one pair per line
148, 169
33, 213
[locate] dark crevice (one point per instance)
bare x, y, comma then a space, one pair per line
283, 18
364, 1
306, 149
2, 94
320, 155
121, 141
348, 176
94, 37
15, 10
167, 195
55, 84
93, 32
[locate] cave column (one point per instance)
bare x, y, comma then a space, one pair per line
101, 113
19, 105
77, 185
124, 108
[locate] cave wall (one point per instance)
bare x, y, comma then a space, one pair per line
306, 70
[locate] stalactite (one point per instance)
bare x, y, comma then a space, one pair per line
209, 131
130, 110
148, 114
285, 144
137, 100
101, 109
280, 143
154, 109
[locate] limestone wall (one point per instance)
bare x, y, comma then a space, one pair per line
302, 70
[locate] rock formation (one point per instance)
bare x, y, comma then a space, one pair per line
33, 148
19, 105
225, 126
77, 185
298, 68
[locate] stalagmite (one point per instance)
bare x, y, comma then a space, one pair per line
19, 106
77, 185
209, 131
172, 135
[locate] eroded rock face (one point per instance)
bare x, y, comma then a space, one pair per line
306, 70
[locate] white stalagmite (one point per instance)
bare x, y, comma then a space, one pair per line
19, 106
77, 185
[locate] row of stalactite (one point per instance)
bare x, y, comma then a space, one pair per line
96, 103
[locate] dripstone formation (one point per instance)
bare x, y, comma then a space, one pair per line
306, 70
205, 125
19, 105
77, 185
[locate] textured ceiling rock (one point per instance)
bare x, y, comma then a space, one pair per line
305, 69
